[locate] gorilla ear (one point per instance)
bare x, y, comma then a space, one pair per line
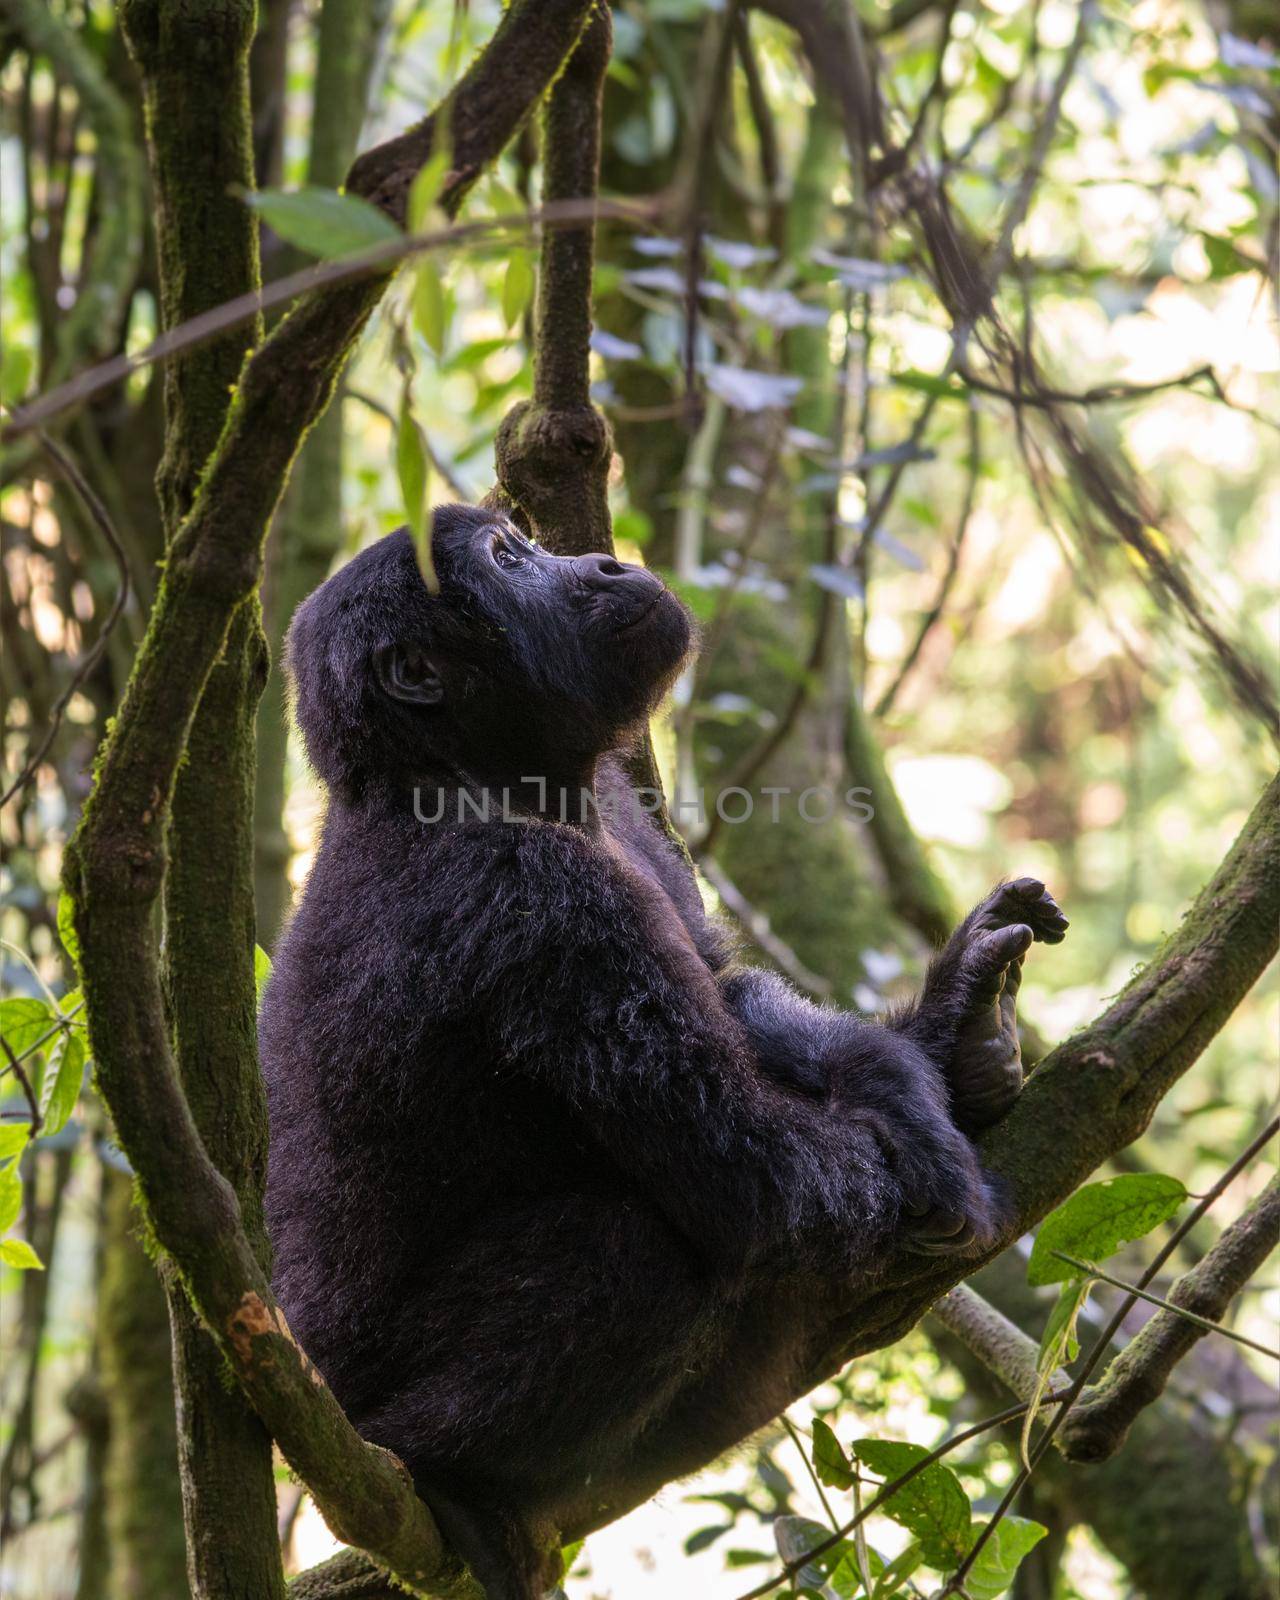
408, 675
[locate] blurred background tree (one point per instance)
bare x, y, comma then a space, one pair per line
957, 427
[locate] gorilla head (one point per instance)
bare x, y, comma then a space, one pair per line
524, 662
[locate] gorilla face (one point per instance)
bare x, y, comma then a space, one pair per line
525, 661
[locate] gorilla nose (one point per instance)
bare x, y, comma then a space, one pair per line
603, 572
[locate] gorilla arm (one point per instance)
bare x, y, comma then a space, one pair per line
587, 989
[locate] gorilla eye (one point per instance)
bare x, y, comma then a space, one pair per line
505, 556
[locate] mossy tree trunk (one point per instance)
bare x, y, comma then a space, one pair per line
193, 60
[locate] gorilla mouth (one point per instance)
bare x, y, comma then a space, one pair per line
637, 617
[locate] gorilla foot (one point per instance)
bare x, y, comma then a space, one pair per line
973, 985
1025, 900
499, 1546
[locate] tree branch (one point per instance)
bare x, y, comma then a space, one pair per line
999, 1344
1096, 1093
553, 451
1101, 1419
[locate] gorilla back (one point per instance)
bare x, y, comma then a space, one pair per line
544, 1161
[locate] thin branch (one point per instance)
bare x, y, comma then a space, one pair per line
934, 90
24, 1083
1021, 202
1100, 1422
94, 506
720, 38
796, 1440
1041, 397
440, 464
310, 281
1204, 1324
765, 127
61, 1026
754, 760
756, 925
933, 615
999, 1344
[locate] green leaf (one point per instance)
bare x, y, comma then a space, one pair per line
10, 1197
475, 354
996, 1566
505, 202
425, 189
428, 304
897, 1572
261, 971
829, 1460
13, 1139
845, 1579
517, 288
1099, 1218
1225, 261
1057, 1345
929, 383
15, 372
61, 1081
323, 222
23, 1020
704, 1538
18, 1253
795, 1537
744, 1558
933, 1506
66, 928
411, 465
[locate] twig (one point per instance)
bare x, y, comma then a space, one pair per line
766, 130
94, 654
439, 463
1021, 201
756, 759
714, 633
955, 1583
703, 150
809, 1468
1206, 1324
15, 1066
931, 617
756, 924
327, 275
935, 86
1040, 397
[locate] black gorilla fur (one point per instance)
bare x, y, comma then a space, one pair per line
547, 1168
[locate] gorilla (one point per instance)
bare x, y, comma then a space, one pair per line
552, 1176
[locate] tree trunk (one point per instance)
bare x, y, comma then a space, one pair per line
147, 1552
